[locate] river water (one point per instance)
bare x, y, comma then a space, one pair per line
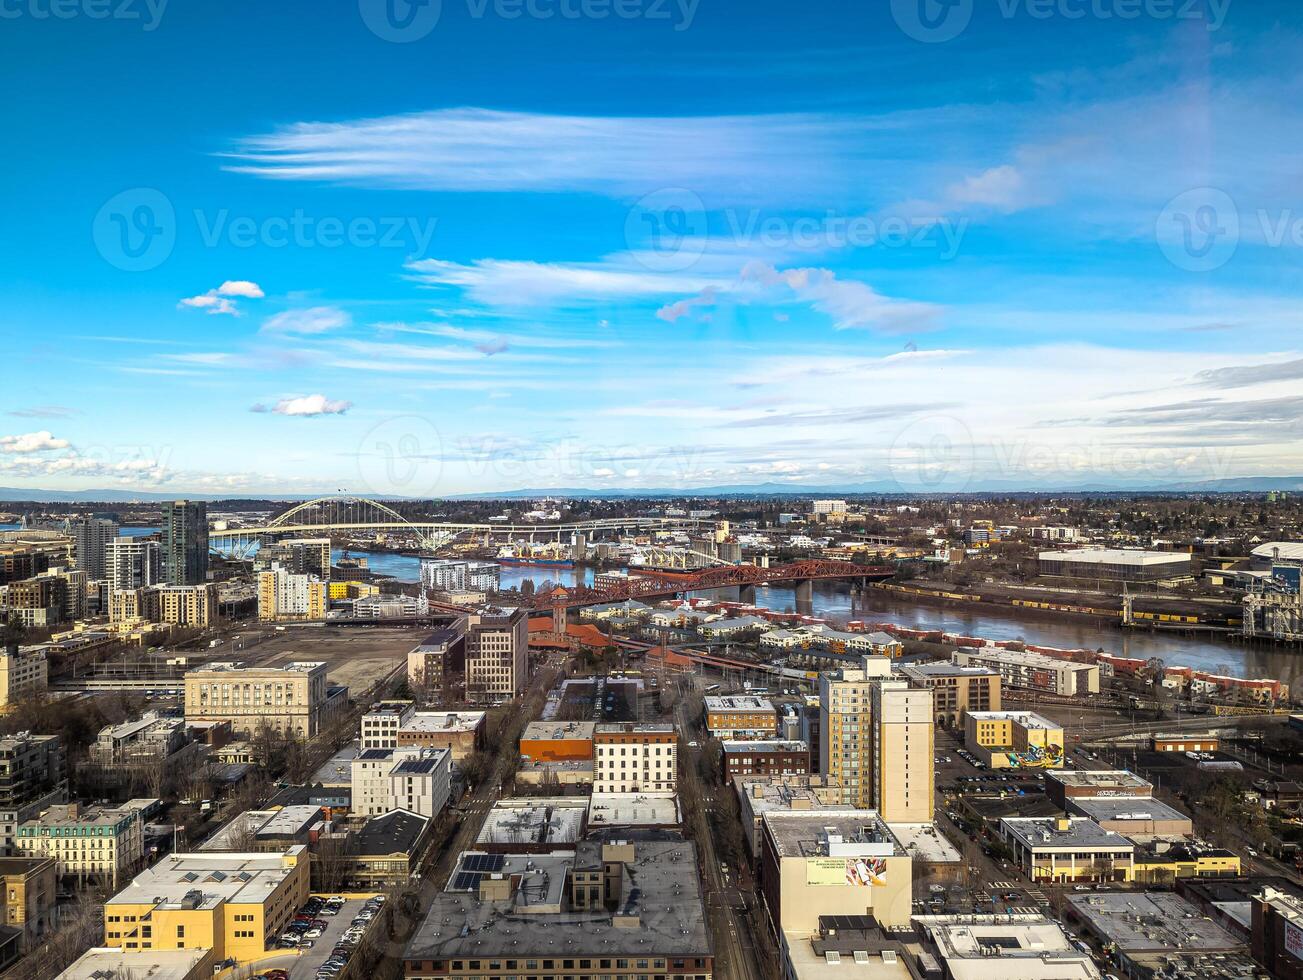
833, 601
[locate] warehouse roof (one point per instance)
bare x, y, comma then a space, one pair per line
1116, 556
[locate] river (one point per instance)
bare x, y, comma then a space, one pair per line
833, 601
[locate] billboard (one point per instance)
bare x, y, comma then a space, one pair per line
846, 871
1294, 940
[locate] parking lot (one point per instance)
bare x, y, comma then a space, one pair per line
310, 961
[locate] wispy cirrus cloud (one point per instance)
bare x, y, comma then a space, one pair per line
313, 320
478, 149
43, 412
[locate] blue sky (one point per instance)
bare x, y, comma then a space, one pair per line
488, 244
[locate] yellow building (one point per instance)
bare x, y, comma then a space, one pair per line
1160, 862
22, 673
188, 605
352, 590
1014, 739
233, 904
846, 728
284, 595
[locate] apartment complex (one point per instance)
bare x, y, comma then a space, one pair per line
188, 605
620, 911
185, 542
299, 556
232, 903
33, 777
101, 843
630, 757
22, 673
459, 575
846, 728
133, 563
741, 716
432, 664
904, 777
497, 654
90, 543
956, 689
1014, 739
768, 758
286, 595
294, 701
1034, 671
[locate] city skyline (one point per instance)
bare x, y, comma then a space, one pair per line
480, 249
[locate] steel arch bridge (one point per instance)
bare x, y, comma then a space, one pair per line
347, 513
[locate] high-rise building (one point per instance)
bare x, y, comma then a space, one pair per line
846, 728
188, 605
285, 595
302, 556
133, 563
90, 542
185, 542
497, 654
904, 778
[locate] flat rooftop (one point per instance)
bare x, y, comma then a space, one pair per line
1116, 556
923, 842
659, 910
443, 721
1012, 948
738, 702
207, 879
532, 822
544, 730
944, 668
764, 745
1028, 719
632, 810
806, 834
102, 962
338, 769
1043, 833
1151, 922
1024, 657
1127, 808
1104, 780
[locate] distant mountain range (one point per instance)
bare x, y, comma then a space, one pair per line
1247, 484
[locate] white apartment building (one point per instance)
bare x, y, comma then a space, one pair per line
285, 595
133, 563
631, 757
454, 575
409, 778
379, 728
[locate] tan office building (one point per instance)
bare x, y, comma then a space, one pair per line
904, 777
291, 700
497, 655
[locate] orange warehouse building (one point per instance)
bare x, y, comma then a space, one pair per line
558, 741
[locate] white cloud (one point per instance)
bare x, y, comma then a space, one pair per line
481, 150
850, 303
1002, 188
306, 406
501, 282
222, 299
673, 312
31, 442
314, 320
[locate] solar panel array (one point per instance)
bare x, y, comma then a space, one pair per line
473, 867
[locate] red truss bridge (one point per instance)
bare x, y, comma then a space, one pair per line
745, 578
